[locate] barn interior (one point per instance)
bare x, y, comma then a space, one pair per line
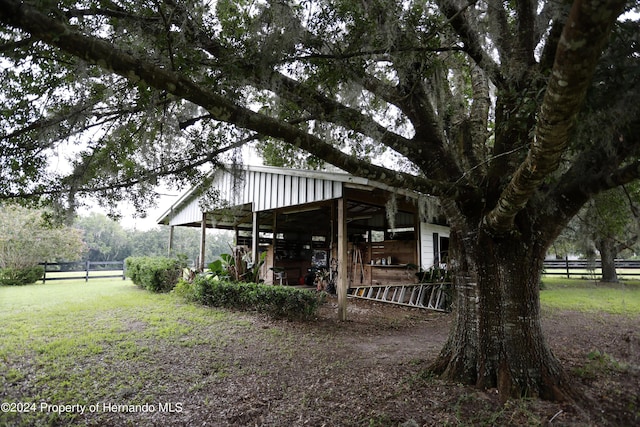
298, 242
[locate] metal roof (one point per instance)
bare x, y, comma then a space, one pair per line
263, 188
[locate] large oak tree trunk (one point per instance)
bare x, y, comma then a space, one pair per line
497, 340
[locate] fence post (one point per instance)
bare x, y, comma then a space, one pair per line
44, 275
87, 266
124, 270
566, 263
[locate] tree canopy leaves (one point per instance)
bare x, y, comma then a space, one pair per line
136, 92
27, 239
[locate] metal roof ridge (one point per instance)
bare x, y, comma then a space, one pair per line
339, 176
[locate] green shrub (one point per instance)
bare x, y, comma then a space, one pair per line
21, 276
156, 274
185, 290
276, 301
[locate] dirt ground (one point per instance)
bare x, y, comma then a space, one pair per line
368, 371
601, 352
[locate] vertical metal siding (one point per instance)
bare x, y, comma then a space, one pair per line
302, 190
248, 185
265, 190
264, 181
189, 213
282, 189
295, 190
310, 189
287, 190
319, 189
271, 191
255, 192
328, 187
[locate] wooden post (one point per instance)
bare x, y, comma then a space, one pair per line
203, 241
274, 245
417, 234
170, 247
343, 283
255, 238
333, 254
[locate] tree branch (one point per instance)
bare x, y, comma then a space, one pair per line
103, 54
314, 101
632, 205
13, 46
384, 53
583, 37
473, 46
501, 35
555, 13
526, 31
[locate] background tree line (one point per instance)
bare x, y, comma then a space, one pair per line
108, 240
606, 228
29, 237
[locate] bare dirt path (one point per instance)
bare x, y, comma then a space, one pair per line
368, 371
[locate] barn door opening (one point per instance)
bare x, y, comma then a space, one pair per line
440, 249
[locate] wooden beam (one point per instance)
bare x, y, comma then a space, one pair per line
417, 233
274, 245
170, 247
343, 282
380, 198
255, 238
203, 241
333, 249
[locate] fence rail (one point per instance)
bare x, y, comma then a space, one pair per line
568, 268
83, 270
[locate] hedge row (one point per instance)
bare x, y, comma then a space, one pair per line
276, 301
20, 276
156, 274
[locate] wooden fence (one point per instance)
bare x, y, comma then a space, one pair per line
83, 270
589, 268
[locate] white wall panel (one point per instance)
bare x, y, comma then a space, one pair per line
426, 242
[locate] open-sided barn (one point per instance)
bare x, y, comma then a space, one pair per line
361, 232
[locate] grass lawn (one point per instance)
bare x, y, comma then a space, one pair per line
107, 349
589, 296
88, 344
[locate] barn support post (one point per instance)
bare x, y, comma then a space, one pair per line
274, 244
203, 241
333, 250
343, 282
170, 247
255, 238
417, 234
